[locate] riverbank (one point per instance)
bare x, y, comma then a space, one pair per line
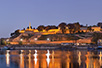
50, 47
87, 40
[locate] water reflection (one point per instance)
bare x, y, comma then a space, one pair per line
29, 55
48, 57
36, 64
8, 58
79, 58
35, 57
100, 58
51, 59
22, 59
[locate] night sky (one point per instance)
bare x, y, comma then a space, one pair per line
16, 14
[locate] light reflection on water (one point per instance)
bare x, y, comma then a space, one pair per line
8, 58
50, 59
35, 57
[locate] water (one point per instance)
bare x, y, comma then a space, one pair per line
50, 59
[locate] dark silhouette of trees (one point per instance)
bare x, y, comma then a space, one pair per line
30, 27
89, 28
99, 24
2, 41
50, 27
71, 27
53, 27
15, 34
76, 27
96, 37
41, 28
23, 28
34, 28
62, 26
47, 27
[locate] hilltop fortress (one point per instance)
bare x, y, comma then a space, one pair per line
43, 32
58, 30
63, 33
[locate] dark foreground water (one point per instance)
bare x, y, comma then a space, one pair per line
50, 59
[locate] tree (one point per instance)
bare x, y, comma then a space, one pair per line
62, 27
99, 24
47, 27
2, 42
40, 28
71, 27
76, 27
20, 42
96, 37
23, 28
50, 27
34, 28
30, 27
53, 27
89, 28
15, 34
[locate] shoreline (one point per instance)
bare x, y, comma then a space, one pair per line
49, 47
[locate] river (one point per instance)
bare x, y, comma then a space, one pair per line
50, 59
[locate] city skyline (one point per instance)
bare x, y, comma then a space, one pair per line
17, 14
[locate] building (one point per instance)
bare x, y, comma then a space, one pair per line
44, 32
29, 29
95, 28
99, 24
83, 29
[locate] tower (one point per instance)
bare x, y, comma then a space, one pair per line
29, 25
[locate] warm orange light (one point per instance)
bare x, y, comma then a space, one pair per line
8, 58
21, 59
29, 58
100, 58
79, 58
48, 57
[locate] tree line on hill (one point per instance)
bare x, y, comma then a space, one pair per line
72, 27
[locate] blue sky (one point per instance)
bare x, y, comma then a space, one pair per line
16, 14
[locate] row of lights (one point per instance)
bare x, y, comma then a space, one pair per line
36, 39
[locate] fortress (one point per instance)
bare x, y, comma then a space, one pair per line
58, 30
44, 32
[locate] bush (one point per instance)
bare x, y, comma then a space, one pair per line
20, 43
3, 42
96, 37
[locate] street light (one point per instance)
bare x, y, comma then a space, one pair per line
35, 39
21, 39
48, 39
